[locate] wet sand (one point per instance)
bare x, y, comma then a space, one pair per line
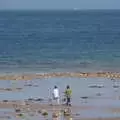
97, 90
114, 110
96, 118
33, 107
58, 74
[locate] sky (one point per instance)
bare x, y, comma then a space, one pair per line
59, 4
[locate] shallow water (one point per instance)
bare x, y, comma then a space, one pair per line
100, 98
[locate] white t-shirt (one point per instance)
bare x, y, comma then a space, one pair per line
56, 93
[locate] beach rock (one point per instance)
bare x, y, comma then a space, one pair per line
96, 86
112, 79
100, 86
84, 97
98, 94
44, 112
17, 110
28, 85
55, 115
19, 88
67, 112
20, 114
115, 86
39, 99
77, 114
5, 100
8, 89
30, 99
92, 86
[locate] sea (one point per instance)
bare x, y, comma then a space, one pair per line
59, 41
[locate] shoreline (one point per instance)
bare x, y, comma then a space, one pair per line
31, 76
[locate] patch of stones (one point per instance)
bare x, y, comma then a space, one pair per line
59, 74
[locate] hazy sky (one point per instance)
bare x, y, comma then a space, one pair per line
59, 4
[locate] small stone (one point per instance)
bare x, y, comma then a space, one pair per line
19, 88
28, 85
30, 99
85, 97
77, 114
18, 110
67, 112
115, 86
5, 100
8, 89
39, 111
20, 114
39, 99
44, 113
55, 115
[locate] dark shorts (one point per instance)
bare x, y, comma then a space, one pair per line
68, 100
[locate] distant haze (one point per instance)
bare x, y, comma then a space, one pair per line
59, 4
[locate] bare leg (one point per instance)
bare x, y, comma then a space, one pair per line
58, 101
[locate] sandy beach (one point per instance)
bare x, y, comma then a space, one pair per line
99, 100
58, 74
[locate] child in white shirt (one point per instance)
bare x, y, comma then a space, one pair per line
56, 94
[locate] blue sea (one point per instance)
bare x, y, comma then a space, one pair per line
52, 41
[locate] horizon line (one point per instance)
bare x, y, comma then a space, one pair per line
72, 9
